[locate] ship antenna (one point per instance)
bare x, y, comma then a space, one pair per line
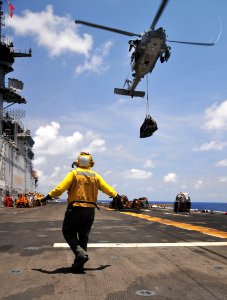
1, 18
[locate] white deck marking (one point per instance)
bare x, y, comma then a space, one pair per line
152, 245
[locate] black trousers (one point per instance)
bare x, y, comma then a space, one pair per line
77, 225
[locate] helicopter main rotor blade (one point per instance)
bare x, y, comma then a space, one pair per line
192, 43
200, 44
107, 28
159, 13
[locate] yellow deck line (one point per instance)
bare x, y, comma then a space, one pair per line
204, 230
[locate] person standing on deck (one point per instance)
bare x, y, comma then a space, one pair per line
82, 185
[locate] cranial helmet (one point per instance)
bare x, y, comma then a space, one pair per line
84, 160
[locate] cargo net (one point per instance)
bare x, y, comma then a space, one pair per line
148, 127
182, 203
124, 203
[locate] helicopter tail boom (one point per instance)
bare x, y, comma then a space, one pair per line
126, 92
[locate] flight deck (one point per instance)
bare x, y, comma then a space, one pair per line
133, 254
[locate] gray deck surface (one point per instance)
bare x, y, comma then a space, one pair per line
31, 268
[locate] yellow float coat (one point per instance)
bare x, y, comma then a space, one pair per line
82, 184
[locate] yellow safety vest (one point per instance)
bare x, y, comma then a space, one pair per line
82, 184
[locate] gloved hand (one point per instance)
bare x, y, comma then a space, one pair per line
117, 202
117, 197
48, 197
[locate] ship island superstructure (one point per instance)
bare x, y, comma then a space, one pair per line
16, 170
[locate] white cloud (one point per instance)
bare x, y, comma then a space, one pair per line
108, 172
184, 187
216, 116
55, 173
213, 145
171, 177
96, 145
39, 161
49, 141
119, 147
198, 184
138, 174
54, 151
46, 134
150, 189
222, 163
57, 34
49, 181
222, 179
148, 164
96, 62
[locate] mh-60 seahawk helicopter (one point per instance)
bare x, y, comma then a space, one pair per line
147, 49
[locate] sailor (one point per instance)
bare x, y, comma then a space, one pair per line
82, 185
8, 200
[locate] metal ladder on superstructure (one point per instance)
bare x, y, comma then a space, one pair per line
2, 162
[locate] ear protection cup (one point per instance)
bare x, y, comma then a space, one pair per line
74, 164
92, 163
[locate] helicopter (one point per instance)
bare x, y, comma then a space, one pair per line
146, 49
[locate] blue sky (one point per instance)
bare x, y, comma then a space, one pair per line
71, 107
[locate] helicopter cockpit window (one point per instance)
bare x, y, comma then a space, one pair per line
148, 127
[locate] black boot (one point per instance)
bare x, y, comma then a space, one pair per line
79, 262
